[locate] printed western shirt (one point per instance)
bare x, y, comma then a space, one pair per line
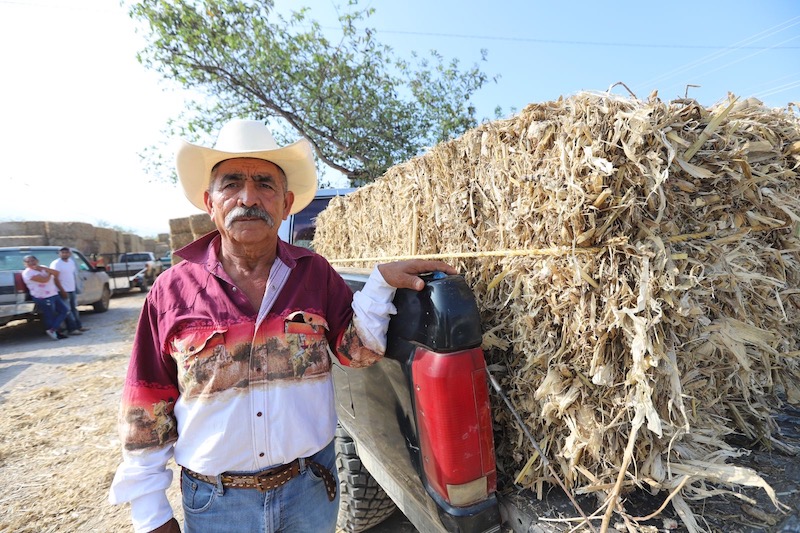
227, 388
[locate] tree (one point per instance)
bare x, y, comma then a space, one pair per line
362, 108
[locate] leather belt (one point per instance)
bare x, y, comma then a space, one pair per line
271, 478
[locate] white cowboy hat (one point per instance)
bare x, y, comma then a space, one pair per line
247, 138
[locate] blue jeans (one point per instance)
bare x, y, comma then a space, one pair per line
73, 317
53, 311
299, 506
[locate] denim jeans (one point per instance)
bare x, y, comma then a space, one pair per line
299, 506
73, 317
53, 311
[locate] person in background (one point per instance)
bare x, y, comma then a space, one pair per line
70, 280
230, 372
46, 291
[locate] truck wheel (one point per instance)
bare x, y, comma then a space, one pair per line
362, 503
101, 306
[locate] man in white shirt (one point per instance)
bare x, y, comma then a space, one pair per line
68, 276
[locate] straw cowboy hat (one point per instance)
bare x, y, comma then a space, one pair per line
247, 138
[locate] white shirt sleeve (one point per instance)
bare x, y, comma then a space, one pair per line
372, 308
143, 479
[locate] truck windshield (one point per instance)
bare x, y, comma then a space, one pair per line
12, 259
305, 223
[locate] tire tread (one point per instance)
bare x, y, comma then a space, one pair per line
363, 503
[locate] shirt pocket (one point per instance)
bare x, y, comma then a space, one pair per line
308, 352
206, 364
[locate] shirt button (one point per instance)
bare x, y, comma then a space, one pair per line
234, 289
258, 413
261, 454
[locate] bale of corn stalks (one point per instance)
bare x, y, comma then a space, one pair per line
637, 268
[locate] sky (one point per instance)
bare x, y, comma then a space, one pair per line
77, 109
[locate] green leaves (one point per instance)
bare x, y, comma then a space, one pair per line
362, 108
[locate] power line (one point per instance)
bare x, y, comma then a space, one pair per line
572, 42
711, 57
778, 89
523, 39
739, 60
773, 86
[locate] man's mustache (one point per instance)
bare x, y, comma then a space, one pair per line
248, 212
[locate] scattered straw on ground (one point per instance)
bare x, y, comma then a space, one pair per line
59, 450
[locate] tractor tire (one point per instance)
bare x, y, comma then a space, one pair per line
362, 503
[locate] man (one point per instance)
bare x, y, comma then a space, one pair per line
70, 281
45, 288
230, 371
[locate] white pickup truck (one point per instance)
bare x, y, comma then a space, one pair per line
134, 270
15, 300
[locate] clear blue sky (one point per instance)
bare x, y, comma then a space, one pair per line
76, 108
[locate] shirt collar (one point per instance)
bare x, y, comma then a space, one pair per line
206, 250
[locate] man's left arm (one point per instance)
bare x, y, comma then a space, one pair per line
405, 274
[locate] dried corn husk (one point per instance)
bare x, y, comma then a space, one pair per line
636, 267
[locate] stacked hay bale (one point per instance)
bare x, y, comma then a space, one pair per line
637, 267
185, 230
23, 233
180, 233
106, 241
77, 234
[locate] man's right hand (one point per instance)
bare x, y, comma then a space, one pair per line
170, 527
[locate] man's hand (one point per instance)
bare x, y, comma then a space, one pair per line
405, 274
170, 527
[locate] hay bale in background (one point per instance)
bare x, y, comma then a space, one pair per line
201, 224
83, 236
23, 228
77, 234
179, 240
105, 241
179, 225
636, 267
23, 240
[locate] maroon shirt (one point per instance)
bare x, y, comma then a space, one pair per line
198, 338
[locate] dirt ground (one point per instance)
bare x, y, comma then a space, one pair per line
58, 442
59, 447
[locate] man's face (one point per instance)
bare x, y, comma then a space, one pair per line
64, 254
31, 263
247, 199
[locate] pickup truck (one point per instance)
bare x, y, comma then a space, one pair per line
15, 300
415, 429
134, 270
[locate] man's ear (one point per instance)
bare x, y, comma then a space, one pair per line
207, 202
288, 202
